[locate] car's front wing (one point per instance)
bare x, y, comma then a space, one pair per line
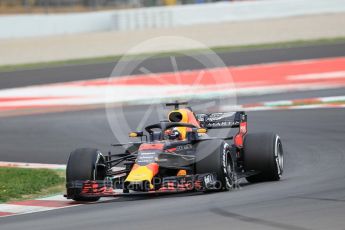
175, 184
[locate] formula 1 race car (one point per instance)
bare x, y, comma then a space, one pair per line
177, 155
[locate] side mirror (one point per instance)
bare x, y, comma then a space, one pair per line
136, 134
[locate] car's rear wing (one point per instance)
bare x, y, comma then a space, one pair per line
226, 120
221, 120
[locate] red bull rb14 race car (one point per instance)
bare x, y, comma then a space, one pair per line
177, 155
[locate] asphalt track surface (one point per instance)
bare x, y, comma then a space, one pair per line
49, 138
311, 194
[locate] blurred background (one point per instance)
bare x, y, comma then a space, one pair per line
34, 31
47, 6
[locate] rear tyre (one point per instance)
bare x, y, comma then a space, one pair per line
84, 164
213, 156
263, 153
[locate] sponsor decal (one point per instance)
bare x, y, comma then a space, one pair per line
184, 147
213, 117
218, 116
147, 153
208, 179
220, 124
146, 157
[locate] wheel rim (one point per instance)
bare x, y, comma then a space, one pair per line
229, 177
279, 156
100, 159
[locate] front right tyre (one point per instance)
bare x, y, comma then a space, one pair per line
213, 156
263, 154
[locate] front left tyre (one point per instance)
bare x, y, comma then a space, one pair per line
84, 164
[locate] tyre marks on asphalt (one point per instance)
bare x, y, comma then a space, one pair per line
257, 221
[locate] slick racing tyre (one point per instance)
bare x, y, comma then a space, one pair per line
84, 164
263, 153
213, 156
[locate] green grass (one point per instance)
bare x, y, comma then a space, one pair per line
18, 183
222, 49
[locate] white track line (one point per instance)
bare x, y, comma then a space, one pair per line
59, 197
13, 208
31, 165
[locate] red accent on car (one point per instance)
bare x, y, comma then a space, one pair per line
171, 150
239, 136
243, 127
153, 167
94, 188
239, 140
192, 119
151, 146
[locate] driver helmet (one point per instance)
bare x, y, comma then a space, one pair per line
173, 134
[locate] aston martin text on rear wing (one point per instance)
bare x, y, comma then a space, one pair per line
221, 120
